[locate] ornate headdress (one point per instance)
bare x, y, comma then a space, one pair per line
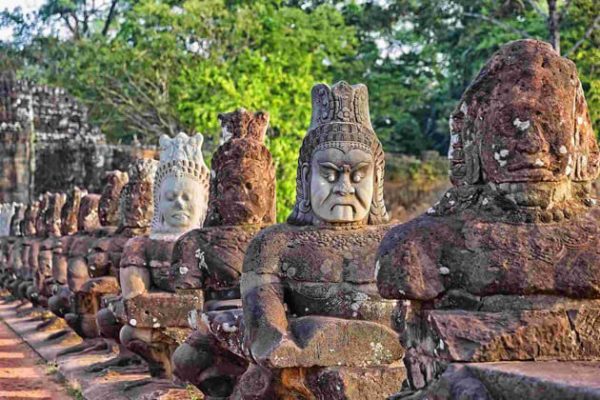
40, 223
139, 188
70, 211
244, 135
87, 219
108, 209
179, 156
340, 114
31, 216
17, 219
52, 214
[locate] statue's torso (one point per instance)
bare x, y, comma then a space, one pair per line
481, 257
330, 272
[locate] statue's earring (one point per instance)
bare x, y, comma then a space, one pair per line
305, 202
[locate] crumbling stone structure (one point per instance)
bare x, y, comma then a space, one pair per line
47, 143
505, 266
241, 203
315, 325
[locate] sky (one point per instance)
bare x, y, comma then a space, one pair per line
26, 6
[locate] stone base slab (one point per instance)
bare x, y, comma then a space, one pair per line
109, 384
518, 380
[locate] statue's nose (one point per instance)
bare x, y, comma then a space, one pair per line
344, 187
532, 141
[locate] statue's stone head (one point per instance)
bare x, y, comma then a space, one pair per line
31, 217
243, 172
108, 208
341, 162
137, 201
17, 220
40, 223
523, 127
70, 211
87, 219
52, 215
180, 186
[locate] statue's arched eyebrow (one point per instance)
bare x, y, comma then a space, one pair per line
360, 165
330, 165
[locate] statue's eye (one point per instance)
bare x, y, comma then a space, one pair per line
357, 177
329, 173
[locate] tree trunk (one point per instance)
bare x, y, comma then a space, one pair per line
553, 25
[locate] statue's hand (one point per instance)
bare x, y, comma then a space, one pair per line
284, 354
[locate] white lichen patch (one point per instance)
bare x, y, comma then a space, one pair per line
485, 201
568, 170
579, 120
504, 153
132, 322
444, 271
183, 270
229, 328
538, 163
521, 125
156, 325
562, 149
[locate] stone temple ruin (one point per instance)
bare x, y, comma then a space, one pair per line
178, 275
47, 143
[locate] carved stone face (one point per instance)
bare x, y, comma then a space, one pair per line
135, 209
182, 203
341, 183
45, 262
244, 193
520, 146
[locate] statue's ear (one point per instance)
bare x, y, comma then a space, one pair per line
306, 181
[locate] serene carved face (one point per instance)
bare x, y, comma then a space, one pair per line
243, 191
182, 203
341, 184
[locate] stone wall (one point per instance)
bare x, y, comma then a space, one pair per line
45, 130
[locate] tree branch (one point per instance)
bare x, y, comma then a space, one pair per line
537, 9
498, 23
109, 17
564, 10
586, 36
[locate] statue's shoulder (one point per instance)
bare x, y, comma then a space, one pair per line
266, 247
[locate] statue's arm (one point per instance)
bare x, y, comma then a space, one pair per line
407, 266
134, 275
266, 322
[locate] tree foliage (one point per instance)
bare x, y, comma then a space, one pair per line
147, 67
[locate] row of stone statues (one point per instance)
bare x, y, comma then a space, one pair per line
185, 267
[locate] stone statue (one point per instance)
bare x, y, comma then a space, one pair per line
103, 259
78, 270
60, 249
18, 285
43, 276
241, 203
9, 252
315, 325
151, 327
505, 267
71, 253
31, 250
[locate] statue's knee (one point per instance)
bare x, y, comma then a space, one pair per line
189, 361
108, 324
127, 335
